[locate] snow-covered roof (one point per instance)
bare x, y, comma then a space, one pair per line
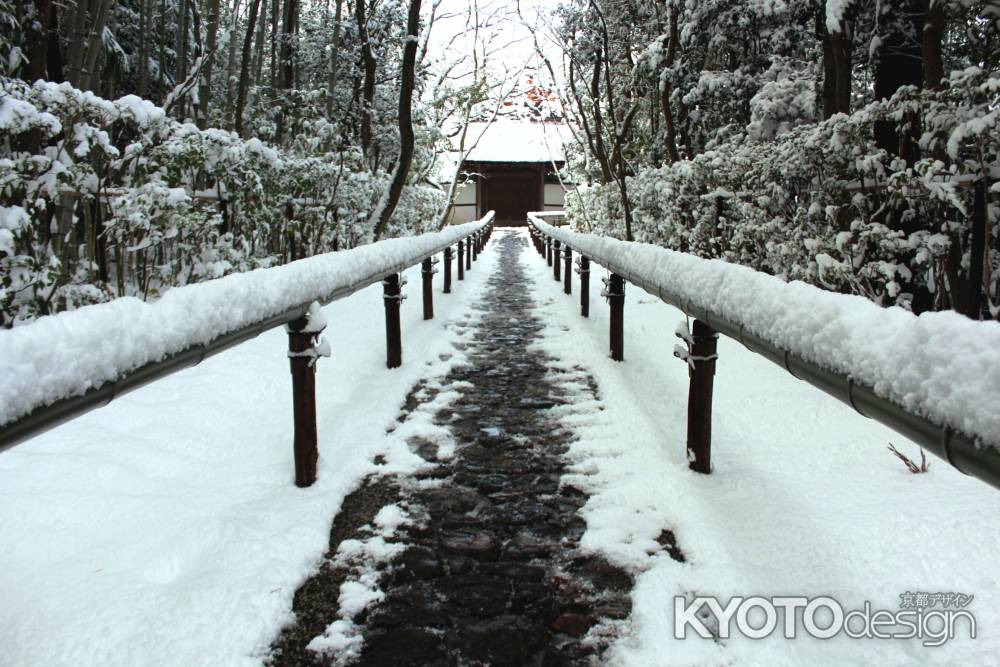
515, 141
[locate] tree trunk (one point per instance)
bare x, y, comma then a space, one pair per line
180, 70
77, 41
36, 41
290, 23
595, 99
288, 48
932, 37
368, 65
101, 242
380, 217
211, 41
669, 131
591, 143
618, 134
196, 58
145, 11
836, 67
54, 60
258, 50
231, 66
900, 63
241, 94
275, 32
334, 57
86, 58
162, 68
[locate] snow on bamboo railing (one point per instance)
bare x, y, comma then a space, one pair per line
64, 365
934, 378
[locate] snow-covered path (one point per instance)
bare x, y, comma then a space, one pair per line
165, 528
474, 558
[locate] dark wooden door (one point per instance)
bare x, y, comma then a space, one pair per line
512, 194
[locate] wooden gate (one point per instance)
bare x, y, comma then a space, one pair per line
511, 194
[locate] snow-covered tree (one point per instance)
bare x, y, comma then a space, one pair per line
852, 145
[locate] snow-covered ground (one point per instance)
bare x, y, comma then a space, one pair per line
165, 529
804, 499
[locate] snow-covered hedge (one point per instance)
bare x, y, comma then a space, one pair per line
819, 203
941, 365
100, 199
66, 354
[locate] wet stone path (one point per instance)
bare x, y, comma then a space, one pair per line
483, 568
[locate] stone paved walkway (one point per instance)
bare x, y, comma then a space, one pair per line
490, 574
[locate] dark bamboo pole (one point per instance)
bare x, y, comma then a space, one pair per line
303, 370
447, 270
468, 255
584, 286
701, 373
427, 274
461, 260
548, 250
616, 299
392, 296
977, 250
568, 271
556, 256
